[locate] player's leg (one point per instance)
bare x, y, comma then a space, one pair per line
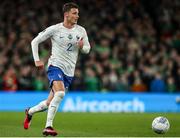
42, 106
59, 93
50, 97
58, 82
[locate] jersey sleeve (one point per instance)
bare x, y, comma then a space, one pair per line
86, 47
42, 36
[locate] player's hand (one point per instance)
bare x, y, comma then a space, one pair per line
39, 64
80, 43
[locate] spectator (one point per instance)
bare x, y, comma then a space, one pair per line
138, 86
39, 84
157, 84
25, 79
122, 84
91, 81
171, 87
10, 80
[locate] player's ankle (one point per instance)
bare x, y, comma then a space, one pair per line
49, 127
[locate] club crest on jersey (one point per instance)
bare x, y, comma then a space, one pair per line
70, 36
77, 37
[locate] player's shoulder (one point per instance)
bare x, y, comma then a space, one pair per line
54, 27
81, 28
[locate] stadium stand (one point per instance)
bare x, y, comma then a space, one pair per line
135, 47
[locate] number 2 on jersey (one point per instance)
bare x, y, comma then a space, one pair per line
69, 47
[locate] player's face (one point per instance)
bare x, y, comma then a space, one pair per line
73, 15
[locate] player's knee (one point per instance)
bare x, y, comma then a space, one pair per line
60, 94
58, 86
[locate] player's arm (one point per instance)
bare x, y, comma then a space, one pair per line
84, 43
42, 36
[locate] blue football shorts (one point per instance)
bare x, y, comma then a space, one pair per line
56, 74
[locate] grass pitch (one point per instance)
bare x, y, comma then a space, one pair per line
88, 125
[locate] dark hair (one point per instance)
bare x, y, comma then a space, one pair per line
68, 6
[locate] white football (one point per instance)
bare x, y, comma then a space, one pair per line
160, 125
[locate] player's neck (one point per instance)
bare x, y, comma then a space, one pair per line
68, 25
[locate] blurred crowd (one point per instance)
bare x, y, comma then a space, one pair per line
135, 45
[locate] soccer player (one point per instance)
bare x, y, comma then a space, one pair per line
67, 40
